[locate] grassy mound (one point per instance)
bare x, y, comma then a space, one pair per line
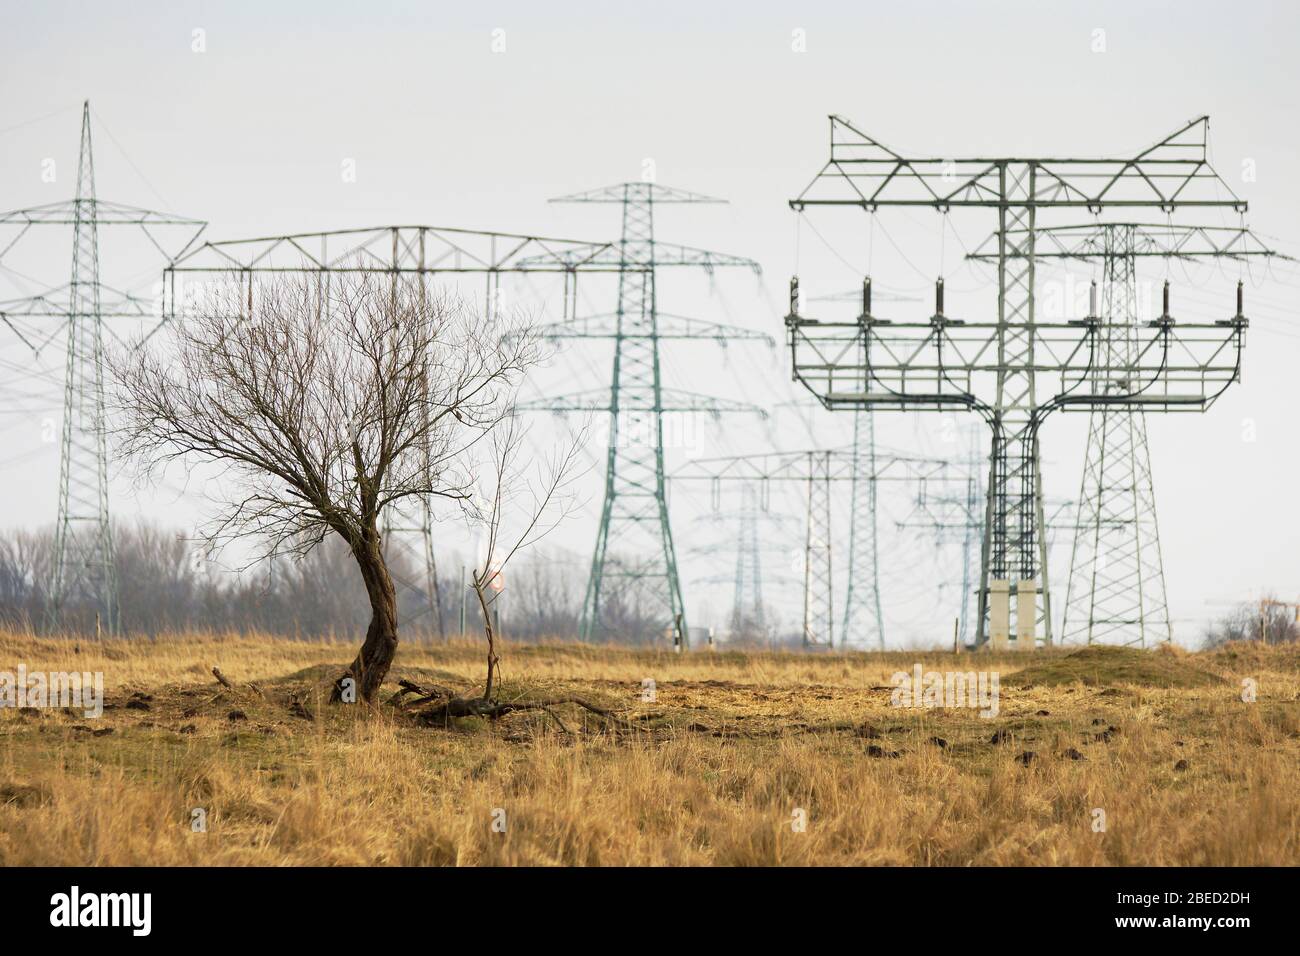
1099, 666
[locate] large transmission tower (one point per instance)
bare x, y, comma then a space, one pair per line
751, 580
747, 613
863, 613
634, 559
995, 368
1116, 587
84, 570
862, 609
418, 252
83, 534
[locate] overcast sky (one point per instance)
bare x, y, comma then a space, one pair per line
249, 115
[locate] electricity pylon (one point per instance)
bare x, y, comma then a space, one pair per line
1116, 587
862, 609
994, 368
420, 252
83, 558
634, 558
750, 612
863, 613
84, 569
747, 594
815, 470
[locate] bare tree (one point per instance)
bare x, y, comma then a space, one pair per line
546, 506
323, 401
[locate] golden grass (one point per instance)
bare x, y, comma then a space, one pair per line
734, 746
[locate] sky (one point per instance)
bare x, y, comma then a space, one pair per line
264, 120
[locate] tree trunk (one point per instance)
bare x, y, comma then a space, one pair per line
376, 656
488, 629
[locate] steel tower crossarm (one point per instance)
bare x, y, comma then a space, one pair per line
1171, 174
939, 366
28, 317
670, 400
401, 249
799, 466
662, 253
1094, 241
668, 328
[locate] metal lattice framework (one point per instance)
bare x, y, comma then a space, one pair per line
959, 517
747, 612
750, 616
863, 613
1116, 587
634, 560
816, 469
418, 251
84, 565
997, 368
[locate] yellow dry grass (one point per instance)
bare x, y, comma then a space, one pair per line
732, 749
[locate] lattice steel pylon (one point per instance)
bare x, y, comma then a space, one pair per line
747, 613
420, 526
83, 534
83, 569
634, 559
863, 614
862, 609
994, 368
818, 563
1116, 586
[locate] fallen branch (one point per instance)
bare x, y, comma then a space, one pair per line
786, 731
427, 694
494, 710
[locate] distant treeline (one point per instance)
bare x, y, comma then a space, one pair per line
1266, 621
165, 584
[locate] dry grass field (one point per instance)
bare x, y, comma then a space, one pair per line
714, 771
